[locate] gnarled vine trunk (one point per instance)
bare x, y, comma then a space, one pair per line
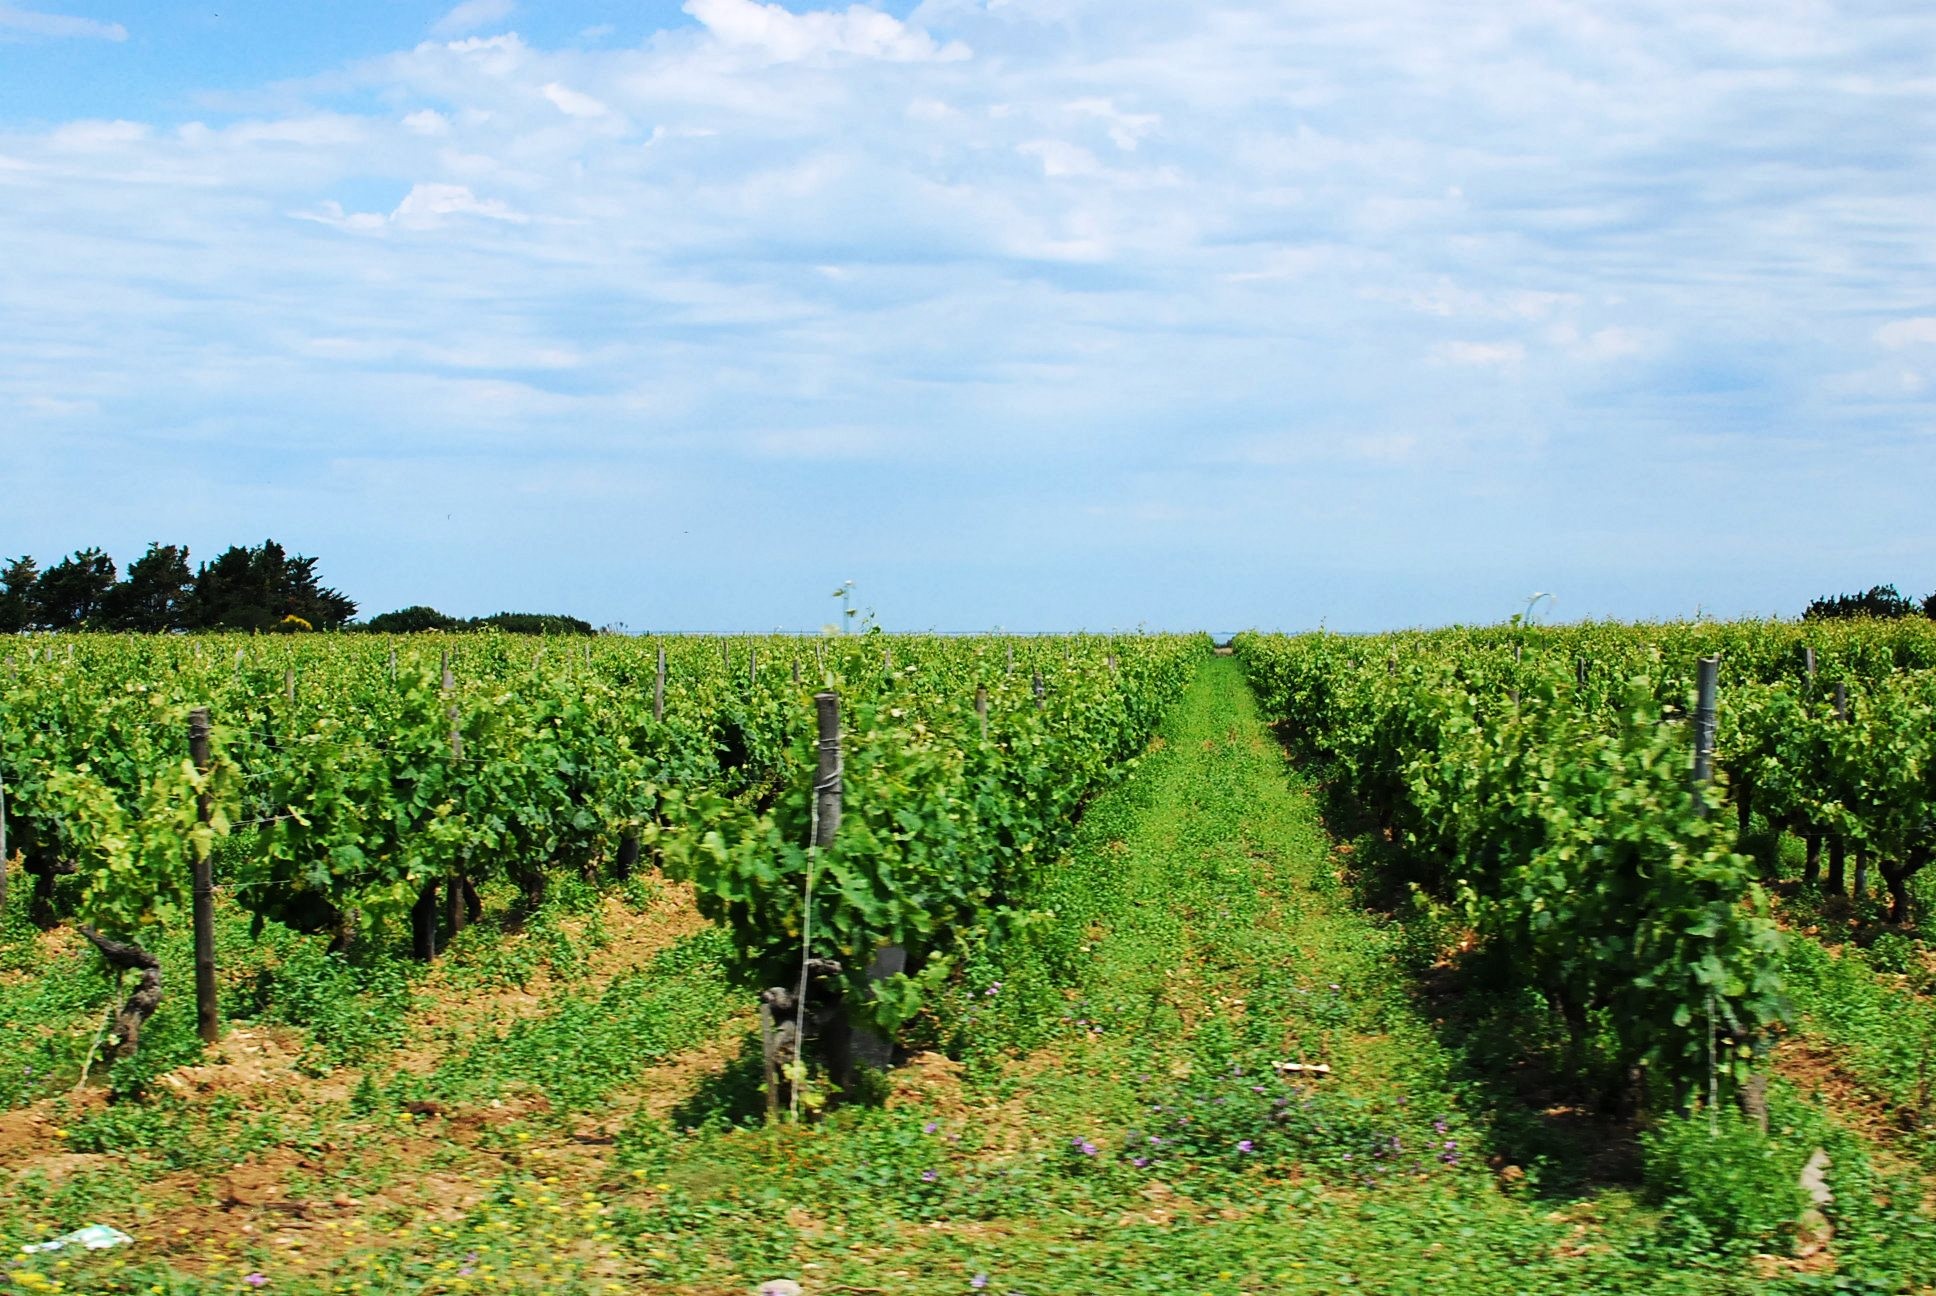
123, 956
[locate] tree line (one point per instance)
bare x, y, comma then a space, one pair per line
254, 588
1883, 602
258, 588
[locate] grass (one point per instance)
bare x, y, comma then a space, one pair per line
1116, 1116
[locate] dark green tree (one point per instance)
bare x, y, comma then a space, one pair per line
1884, 602
153, 595
73, 592
1929, 607
19, 597
254, 589
413, 620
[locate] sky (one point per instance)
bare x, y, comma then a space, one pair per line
1031, 314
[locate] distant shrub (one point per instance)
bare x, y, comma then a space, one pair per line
1883, 602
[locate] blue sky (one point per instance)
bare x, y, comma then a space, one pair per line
1030, 313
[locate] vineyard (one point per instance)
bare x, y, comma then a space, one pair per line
472, 962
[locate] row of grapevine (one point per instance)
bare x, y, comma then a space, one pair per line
1538, 780
357, 779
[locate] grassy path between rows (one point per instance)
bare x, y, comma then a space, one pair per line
1209, 1074
1153, 1145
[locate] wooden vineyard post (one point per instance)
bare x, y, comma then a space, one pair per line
752, 667
1041, 690
1812, 839
393, 663
289, 684
1706, 720
3, 833
981, 710
887, 663
796, 670
863, 1045
828, 772
658, 688
423, 914
1580, 672
1838, 851
208, 1022
454, 885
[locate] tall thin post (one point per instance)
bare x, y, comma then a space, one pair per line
658, 688
1808, 664
1041, 690
1706, 721
454, 908
796, 670
208, 1022
1838, 847
289, 684
752, 667
827, 779
3, 834
981, 710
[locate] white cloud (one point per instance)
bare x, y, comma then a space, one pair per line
35, 23
1908, 332
1503, 355
426, 207
472, 14
1126, 130
427, 121
1612, 344
786, 37
88, 136
573, 104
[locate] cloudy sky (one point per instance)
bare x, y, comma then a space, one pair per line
1031, 313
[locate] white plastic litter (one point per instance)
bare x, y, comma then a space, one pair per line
95, 1237
1310, 1068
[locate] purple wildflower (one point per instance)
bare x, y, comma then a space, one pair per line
978, 1282
255, 1280
930, 1127
929, 1176
1245, 1145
